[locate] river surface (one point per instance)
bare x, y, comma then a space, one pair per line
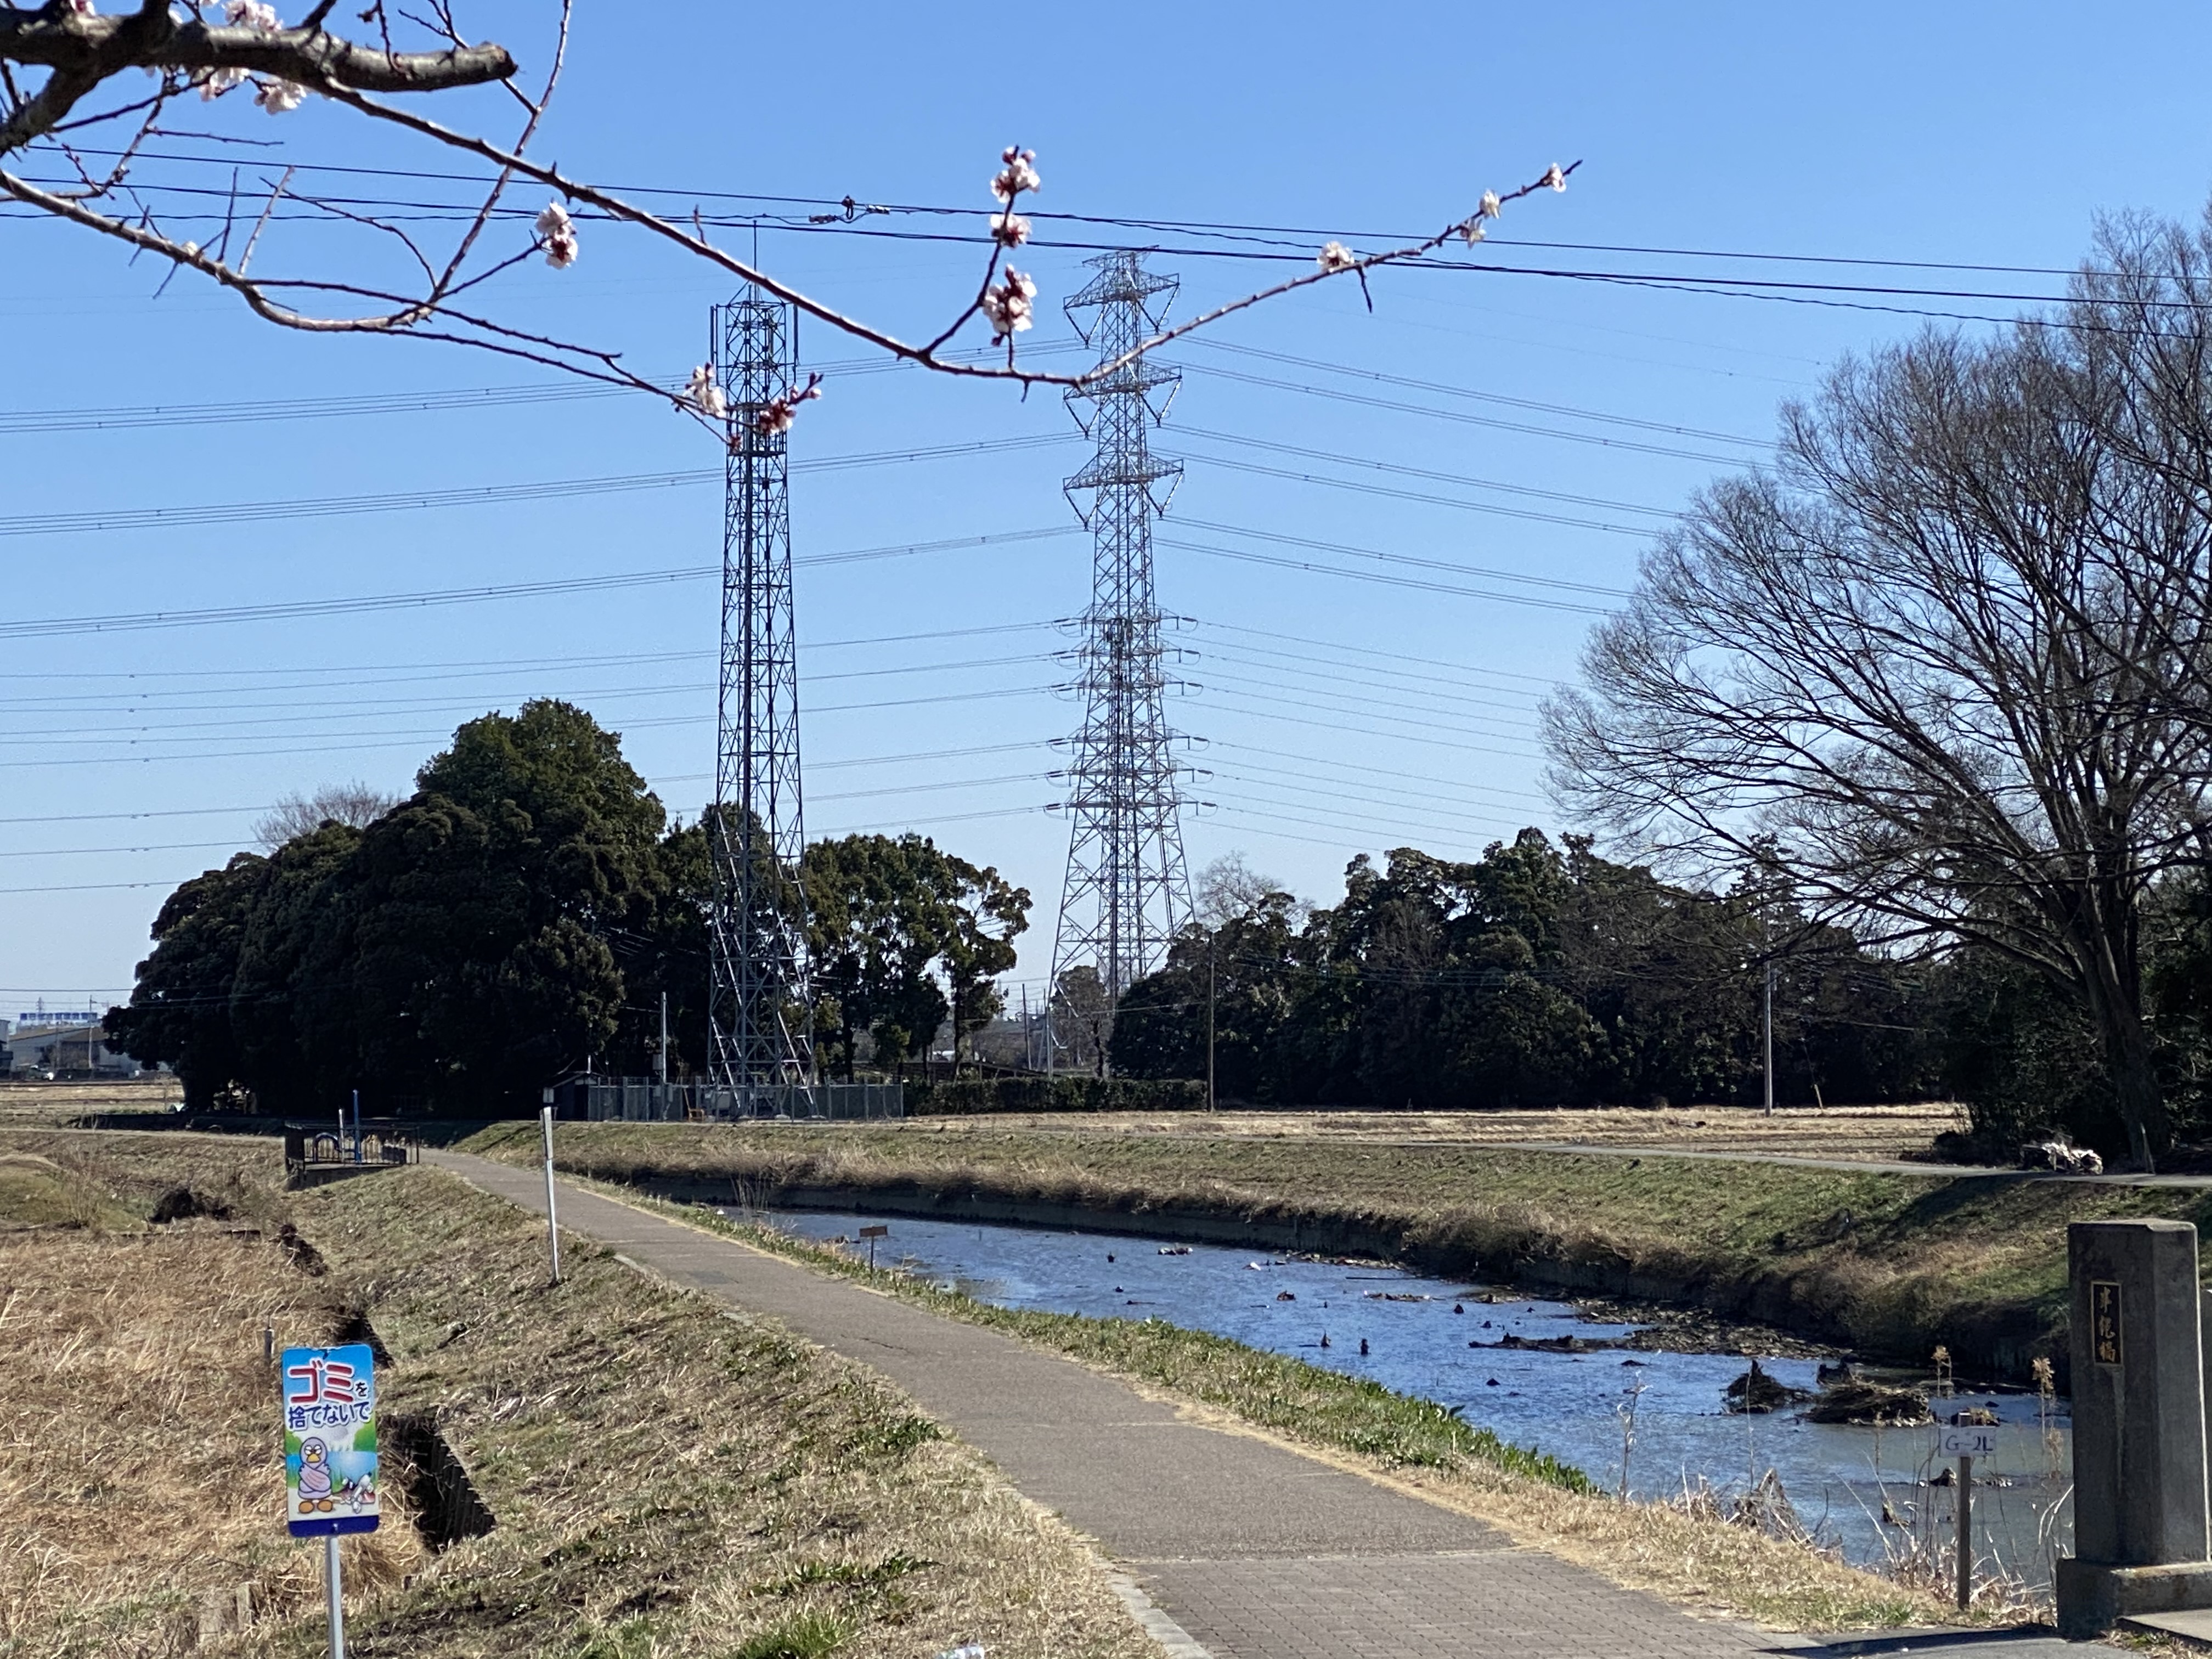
1431, 1338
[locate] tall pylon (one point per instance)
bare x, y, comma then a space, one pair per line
760, 1010
1127, 890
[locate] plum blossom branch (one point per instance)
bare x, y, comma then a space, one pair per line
79, 49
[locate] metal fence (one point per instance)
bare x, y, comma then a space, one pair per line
373, 1143
636, 1100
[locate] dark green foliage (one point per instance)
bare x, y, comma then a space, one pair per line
1534, 976
180, 1011
979, 1096
456, 955
2027, 1057
904, 936
518, 918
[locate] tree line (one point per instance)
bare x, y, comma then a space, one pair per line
517, 918
1544, 974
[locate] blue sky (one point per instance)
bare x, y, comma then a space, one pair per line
1340, 714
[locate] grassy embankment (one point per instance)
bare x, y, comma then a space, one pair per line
1688, 1554
666, 1478
1889, 1263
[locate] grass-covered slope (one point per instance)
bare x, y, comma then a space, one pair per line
665, 1477
1891, 1263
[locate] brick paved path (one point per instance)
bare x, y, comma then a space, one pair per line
1255, 1551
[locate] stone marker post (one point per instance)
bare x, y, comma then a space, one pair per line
2142, 1527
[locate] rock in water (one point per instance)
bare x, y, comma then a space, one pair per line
1857, 1401
1755, 1391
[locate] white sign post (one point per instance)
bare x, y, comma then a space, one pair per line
330, 1456
552, 1225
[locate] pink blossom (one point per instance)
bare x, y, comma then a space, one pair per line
1018, 174
279, 97
1007, 307
704, 395
778, 413
556, 231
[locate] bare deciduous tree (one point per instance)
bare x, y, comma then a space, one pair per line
1230, 889
1932, 657
354, 804
74, 56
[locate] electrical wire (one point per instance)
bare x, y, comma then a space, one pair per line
169, 518
56, 627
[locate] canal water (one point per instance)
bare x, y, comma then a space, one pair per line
1439, 1340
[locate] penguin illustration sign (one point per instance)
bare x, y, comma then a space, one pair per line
330, 1440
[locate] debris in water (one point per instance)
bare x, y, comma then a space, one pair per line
1857, 1400
1755, 1391
1363, 1345
1174, 1249
1553, 1344
1284, 1296
1459, 1307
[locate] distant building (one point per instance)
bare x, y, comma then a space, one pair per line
65, 1047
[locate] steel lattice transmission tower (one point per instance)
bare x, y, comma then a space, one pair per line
1127, 891
759, 1010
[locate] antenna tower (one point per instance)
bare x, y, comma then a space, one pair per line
759, 1010
1127, 891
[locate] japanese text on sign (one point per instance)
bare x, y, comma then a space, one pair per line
330, 1439
2104, 1320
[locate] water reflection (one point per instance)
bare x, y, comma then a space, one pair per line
1475, 1348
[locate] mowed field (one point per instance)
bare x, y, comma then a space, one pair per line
1877, 1133
46, 1105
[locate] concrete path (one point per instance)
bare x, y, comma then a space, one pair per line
1250, 1550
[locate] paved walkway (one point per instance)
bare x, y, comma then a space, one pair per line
1253, 1550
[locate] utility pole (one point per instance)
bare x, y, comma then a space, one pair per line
1209, 1021
1767, 1025
660, 1056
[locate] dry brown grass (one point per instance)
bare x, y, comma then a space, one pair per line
44, 1105
137, 1450
672, 1478
1869, 1132
668, 1479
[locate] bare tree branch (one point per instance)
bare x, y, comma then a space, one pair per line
80, 49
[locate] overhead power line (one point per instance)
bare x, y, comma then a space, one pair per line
53, 627
169, 518
1304, 234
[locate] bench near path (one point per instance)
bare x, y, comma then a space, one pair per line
1235, 1547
